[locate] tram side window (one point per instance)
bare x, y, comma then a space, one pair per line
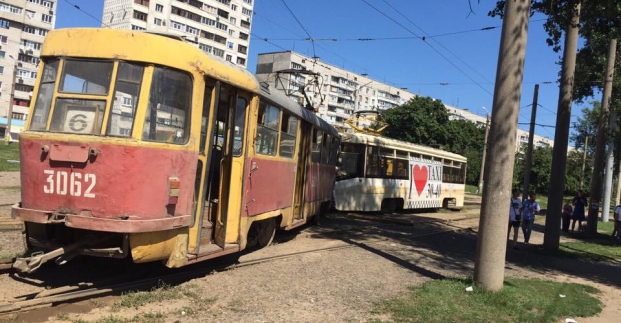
387, 159
334, 151
240, 126
351, 161
325, 148
288, 131
373, 161
267, 129
44, 96
126, 92
402, 169
316, 146
168, 113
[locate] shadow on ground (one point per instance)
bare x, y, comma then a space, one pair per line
449, 251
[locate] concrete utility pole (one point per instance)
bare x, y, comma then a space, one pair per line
529, 151
598, 158
489, 266
9, 116
609, 165
480, 191
552, 234
586, 145
617, 202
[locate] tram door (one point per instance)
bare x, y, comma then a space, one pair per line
300, 179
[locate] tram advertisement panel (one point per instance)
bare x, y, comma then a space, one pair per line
425, 184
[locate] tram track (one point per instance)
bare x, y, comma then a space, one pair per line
82, 291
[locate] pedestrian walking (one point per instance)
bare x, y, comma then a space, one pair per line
579, 203
515, 216
566, 216
530, 207
616, 233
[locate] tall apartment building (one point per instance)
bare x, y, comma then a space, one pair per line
218, 27
23, 26
336, 93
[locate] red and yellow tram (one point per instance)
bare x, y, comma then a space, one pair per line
141, 144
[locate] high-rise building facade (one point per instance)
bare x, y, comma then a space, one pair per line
218, 27
23, 26
336, 94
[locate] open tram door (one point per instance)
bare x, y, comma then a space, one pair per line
300, 179
221, 150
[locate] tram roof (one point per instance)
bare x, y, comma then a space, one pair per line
166, 50
361, 138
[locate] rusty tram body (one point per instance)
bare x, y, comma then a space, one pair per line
143, 145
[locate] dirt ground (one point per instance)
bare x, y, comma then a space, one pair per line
336, 286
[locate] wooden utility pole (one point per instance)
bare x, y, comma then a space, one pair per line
602, 132
489, 266
529, 149
552, 234
586, 145
480, 190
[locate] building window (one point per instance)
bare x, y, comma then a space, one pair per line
243, 36
241, 61
229, 58
4, 23
140, 15
159, 8
134, 27
157, 21
231, 32
2, 53
46, 18
142, 2
205, 48
233, 20
248, 1
1, 69
218, 52
10, 8
242, 49
247, 12
230, 45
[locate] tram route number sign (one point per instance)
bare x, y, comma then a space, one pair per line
80, 119
69, 183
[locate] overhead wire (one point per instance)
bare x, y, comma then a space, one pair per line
88, 14
301, 25
428, 44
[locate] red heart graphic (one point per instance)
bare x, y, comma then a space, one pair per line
420, 177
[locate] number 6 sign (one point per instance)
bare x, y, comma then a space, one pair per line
80, 119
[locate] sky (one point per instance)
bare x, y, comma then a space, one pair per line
456, 63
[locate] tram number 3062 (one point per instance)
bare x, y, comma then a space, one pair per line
63, 183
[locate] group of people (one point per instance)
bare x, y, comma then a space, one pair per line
522, 213
575, 214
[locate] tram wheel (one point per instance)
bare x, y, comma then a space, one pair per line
261, 233
266, 232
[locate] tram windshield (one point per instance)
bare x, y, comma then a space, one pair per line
83, 102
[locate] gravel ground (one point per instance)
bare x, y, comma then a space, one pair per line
330, 286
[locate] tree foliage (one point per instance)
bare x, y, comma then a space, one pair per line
600, 21
425, 121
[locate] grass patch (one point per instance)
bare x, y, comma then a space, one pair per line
158, 294
472, 189
520, 300
10, 152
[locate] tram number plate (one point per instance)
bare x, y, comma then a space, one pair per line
74, 184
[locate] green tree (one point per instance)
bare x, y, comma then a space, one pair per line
600, 21
425, 121
421, 120
539, 170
